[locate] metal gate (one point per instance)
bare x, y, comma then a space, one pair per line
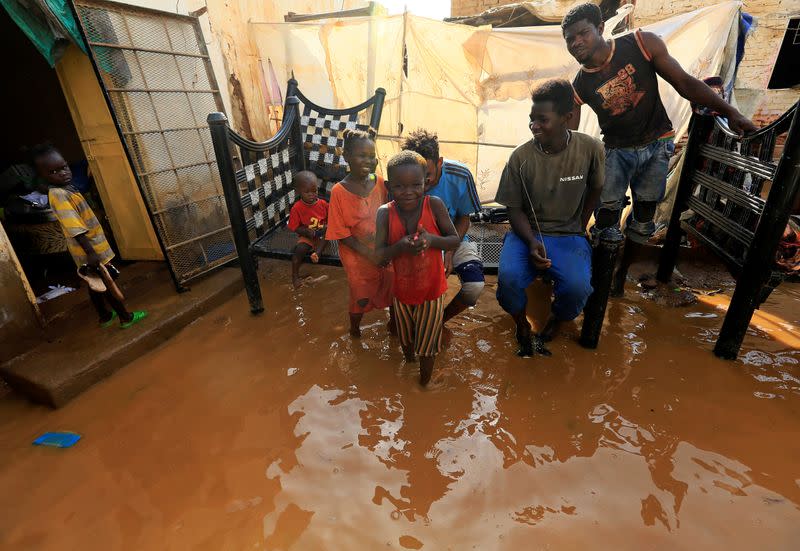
156, 73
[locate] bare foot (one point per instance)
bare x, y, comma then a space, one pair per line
648, 282
524, 340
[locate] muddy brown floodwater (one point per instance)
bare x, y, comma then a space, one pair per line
281, 432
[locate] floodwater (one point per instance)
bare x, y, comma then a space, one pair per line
281, 432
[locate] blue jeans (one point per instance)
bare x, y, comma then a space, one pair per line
571, 272
645, 170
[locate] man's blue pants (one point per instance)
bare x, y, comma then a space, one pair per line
571, 272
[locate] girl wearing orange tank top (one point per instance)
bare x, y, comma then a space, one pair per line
411, 233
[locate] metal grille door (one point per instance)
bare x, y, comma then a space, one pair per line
156, 71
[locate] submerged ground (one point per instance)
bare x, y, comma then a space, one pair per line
279, 431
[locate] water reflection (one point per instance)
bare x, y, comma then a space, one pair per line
282, 432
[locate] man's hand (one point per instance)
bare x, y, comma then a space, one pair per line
448, 263
539, 256
741, 124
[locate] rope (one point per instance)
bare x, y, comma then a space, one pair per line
533, 211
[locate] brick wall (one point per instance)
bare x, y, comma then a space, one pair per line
761, 50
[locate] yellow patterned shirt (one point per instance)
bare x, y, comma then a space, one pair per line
76, 217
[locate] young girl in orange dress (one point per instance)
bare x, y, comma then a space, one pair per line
351, 221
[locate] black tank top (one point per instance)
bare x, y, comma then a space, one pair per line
623, 93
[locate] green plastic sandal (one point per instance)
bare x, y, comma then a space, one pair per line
138, 316
110, 321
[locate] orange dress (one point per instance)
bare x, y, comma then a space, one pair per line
351, 215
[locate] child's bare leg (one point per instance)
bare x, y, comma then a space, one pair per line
392, 325
100, 305
550, 329
118, 307
355, 324
299, 253
318, 251
426, 369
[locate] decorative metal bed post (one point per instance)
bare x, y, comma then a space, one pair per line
604, 258
377, 109
760, 256
218, 125
292, 103
699, 129
291, 90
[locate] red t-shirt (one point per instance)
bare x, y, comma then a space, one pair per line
313, 216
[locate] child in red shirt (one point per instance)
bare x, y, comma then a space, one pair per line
308, 218
412, 231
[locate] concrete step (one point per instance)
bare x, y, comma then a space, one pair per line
78, 353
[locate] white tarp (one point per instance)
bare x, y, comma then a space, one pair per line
471, 85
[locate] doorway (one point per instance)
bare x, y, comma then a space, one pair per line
36, 112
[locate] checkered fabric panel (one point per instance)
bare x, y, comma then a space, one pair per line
323, 142
268, 190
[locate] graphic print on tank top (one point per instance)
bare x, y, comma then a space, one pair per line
619, 93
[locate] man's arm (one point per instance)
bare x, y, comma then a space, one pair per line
691, 88
449, 240
595, 181
462, 224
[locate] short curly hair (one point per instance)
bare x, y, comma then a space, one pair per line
354, 135
558, 91
405, 158
588, 11
38, 151
424, 142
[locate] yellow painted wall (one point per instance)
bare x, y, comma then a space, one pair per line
116, 184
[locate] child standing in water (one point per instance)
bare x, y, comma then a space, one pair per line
412, 232
307, 219
85, 238
351, 221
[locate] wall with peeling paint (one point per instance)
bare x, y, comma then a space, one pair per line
233, 56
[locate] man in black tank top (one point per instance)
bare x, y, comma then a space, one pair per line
618, 80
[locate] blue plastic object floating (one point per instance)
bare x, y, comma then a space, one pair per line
57, 439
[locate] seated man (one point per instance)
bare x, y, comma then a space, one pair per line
550, 184
452, 182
